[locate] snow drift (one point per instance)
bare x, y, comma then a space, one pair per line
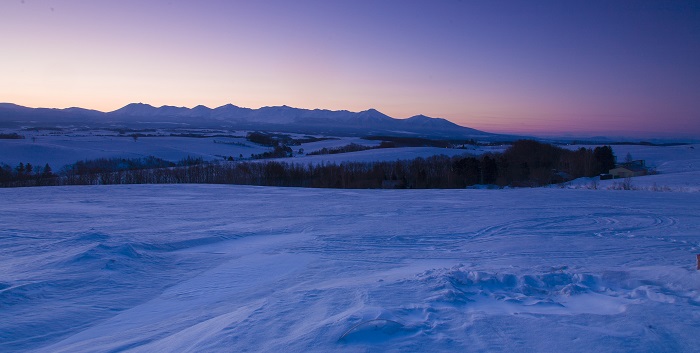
197, 268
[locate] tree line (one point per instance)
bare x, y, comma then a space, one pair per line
525, 163
12, 136
25, 174
353, 147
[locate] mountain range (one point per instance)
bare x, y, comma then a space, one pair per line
229, 116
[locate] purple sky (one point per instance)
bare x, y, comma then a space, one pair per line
537, 67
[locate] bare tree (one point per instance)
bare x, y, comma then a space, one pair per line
628, 158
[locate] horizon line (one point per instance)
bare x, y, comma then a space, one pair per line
539, 133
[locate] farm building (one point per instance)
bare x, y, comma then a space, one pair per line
629, 169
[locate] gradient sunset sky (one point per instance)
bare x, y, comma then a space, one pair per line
533, 67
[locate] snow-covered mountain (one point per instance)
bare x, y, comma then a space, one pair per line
279, 118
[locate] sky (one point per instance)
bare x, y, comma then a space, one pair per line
532, 67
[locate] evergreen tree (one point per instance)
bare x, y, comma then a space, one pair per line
605, 159
20, 170
5, 173
489, 169
47, 172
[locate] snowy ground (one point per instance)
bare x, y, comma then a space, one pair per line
192, 268
64, 149
198, 268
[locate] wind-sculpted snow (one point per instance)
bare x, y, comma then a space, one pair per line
205, 268
555, 290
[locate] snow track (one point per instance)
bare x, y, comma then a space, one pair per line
197, 268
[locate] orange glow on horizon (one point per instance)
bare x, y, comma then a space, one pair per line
455, 64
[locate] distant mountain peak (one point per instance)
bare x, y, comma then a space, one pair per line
279, 107
134, 108
373, 112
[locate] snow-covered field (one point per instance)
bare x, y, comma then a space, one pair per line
212, 268
62, 150
206, 268
59, 149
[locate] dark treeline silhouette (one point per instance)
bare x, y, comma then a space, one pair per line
108, 165
262, 138
433, 172
394, 141
525, 163
353, 147
531, 163
272, 140
80, 172
12, 136
278, 151
25, 174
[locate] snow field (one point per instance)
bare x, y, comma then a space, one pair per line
61, 150
193, 268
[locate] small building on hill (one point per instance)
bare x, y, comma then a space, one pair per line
629, 169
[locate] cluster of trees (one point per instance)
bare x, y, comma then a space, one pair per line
109, 165
353, 147
84, 172
532, 163
278, 151
25, 174
394, 141
419, 173
12, 136
272, 140
279, 143
261, 138
525, 163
